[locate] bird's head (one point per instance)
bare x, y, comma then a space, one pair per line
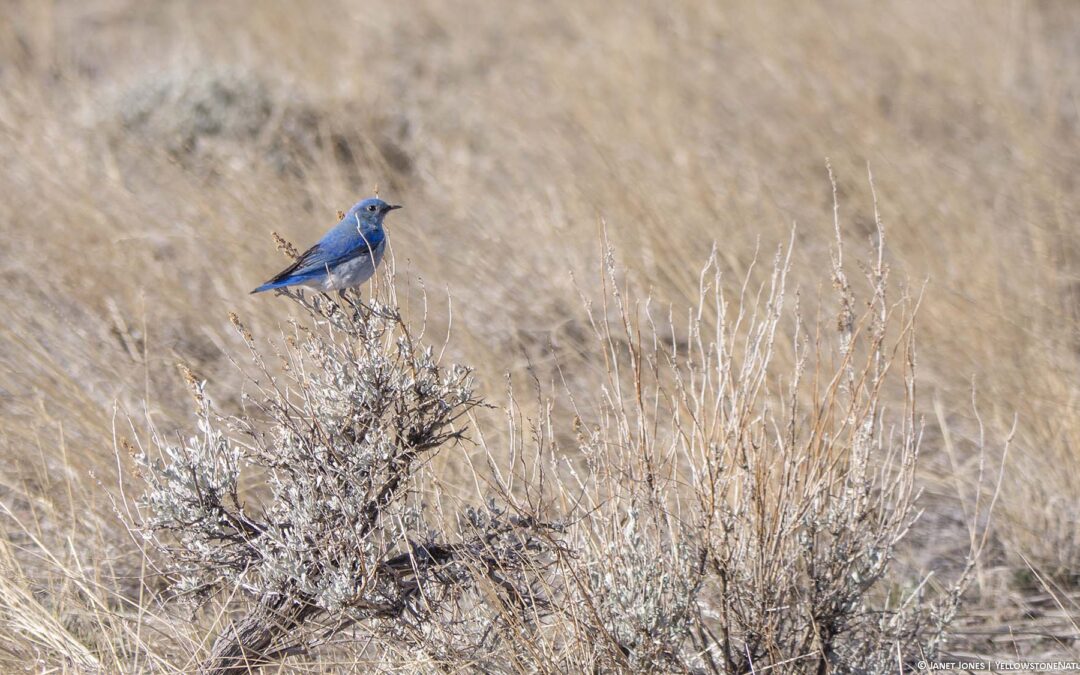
369, 213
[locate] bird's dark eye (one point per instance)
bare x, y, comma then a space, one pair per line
371, 207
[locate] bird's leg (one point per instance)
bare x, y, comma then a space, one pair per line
355, 300
360, 300
325, 304
346, 298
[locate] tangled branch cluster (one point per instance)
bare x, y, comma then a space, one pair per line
329, 535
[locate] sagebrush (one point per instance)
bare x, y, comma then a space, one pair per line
715, 513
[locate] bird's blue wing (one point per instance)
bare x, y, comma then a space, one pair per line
310, 264
340, 244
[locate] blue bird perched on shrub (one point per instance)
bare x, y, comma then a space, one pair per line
345, 257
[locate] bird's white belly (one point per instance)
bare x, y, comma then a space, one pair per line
353, 272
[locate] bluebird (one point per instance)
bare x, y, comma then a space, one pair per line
345, 257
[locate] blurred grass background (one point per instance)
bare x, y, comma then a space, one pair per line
147, 150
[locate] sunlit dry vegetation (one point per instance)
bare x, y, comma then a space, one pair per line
695, 456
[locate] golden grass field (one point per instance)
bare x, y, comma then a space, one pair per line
148, 150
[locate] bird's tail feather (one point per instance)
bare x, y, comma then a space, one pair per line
281, 283
266, 287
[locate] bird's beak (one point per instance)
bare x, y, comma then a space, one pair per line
391, 207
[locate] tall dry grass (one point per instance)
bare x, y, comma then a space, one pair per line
148, 151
